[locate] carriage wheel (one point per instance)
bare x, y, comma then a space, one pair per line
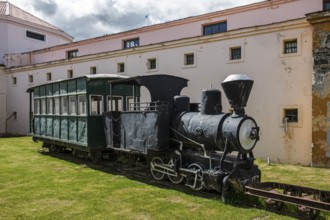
175, 179
199, 181
156, 173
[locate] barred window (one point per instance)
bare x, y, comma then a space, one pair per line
290, 46
291, 115
189, 59
235, 53
152, 64
131, 43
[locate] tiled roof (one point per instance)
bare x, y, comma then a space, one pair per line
11, 10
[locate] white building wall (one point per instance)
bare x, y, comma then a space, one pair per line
3, 41
262, 13
280, 81
3, 102
14, 40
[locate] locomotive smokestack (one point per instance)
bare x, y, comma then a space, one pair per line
237, 88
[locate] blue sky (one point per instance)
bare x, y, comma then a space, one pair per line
84, 19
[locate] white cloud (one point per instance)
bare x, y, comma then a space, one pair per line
86, 19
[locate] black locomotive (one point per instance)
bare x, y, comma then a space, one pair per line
205, 149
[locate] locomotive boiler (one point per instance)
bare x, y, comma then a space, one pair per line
208, 149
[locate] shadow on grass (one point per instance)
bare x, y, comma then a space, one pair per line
139, 171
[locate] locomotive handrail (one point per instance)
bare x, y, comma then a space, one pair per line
148, 106
198, 144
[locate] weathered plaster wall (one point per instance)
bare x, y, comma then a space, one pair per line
321, 89
3, 102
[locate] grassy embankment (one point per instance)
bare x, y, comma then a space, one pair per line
38, 186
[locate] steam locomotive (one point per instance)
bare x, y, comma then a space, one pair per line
207, 150
100, 114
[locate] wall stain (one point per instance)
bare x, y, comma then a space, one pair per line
320, 22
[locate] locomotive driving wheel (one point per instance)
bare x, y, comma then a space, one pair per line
175, 179
196, 180
156, 171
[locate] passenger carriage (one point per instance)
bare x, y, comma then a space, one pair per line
68, 113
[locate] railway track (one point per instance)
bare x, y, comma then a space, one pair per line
285, 199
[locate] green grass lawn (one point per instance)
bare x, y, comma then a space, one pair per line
38, 186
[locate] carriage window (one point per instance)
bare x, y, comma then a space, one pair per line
49, 106
43, 106
117, 103
82, 105
96, 105
72, 105
37, 107
129, 103
64, 105
56, 106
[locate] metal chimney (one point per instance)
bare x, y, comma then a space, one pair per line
237, 88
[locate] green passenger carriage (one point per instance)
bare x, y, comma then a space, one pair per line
68, 113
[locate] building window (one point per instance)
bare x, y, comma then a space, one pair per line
15, 115
70, 74
326, 5
152, 64
35, 36
93, 70
14, 80
215, 28
30, 79
131, 43
189, 59
49, 76
235, 53
72, 54
290, 46
291, 115
121, 67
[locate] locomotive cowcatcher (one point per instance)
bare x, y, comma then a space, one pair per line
206, 149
